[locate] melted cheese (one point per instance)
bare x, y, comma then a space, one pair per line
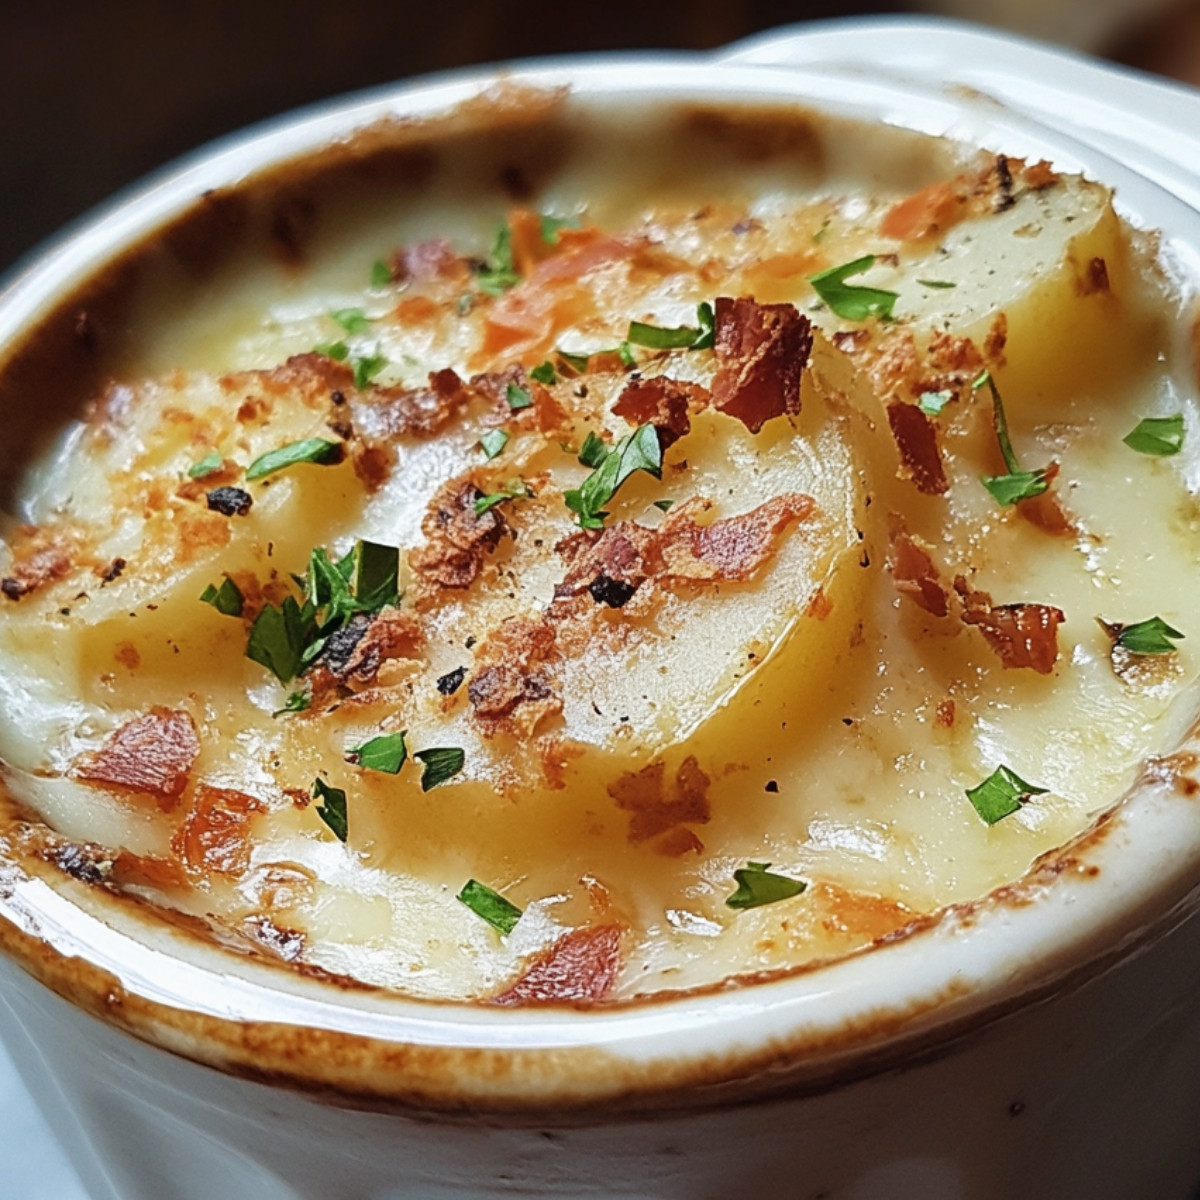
811, 717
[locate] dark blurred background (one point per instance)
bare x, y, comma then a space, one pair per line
95, 94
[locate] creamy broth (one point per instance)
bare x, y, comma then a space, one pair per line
657, 730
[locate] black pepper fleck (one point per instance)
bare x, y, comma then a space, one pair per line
616, 593
230, 501
772, 786
449, 683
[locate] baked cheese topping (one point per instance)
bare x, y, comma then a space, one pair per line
647, 596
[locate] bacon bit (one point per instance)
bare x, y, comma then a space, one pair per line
412, 412
311, 376
44, 561
153, 753
761, 352
661, 402
934, 209
1022, 635
944, 714
653, 811
915, 574
457, 538
528, 246
508, 689
996, 340
427, 261
213, 837
580, 968
1093, 280
1046, 511
416, 310
355, 653
147, 870
372, 464
287, 944
820, 606
625, 553
959, 355
920, 455
1037, 176
732, 549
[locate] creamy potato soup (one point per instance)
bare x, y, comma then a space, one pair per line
664, 555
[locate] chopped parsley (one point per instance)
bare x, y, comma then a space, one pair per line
381, 273
757, 886
211, 462
681, 337
333, 809
442, 763
937, 283
1017, 484
665, 505
1153, 636
1160, 436
295, 703
517, 397
502, 915
1001, 794
338, 351
593, 452
310, 450
385, 753
852, 301
577, 362
493, 442
226, 599
367, 367
499, 272
288, 638
516, 490
636, 451
933, 402
544, 373
352, 320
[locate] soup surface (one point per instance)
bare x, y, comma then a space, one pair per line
703, 558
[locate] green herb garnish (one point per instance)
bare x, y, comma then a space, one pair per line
502, 915
333, 810
757, 886
594, 451
636, 451
211, 462
311, 450
385, 753
851, 301
352, 320
665, 505
1001, 794
289, 638
381, 273
499, 273
338, 351
441, 763
516, 490
681, 337
493, 441
544, 373
933, 402
295, 703
936, 283
577, 362
1160, 436
1145, 637
1017, 484
517, 397
367, 367
226, 599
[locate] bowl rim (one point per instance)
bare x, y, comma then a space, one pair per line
1077, 911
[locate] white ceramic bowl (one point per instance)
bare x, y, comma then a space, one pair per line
1044, 1042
